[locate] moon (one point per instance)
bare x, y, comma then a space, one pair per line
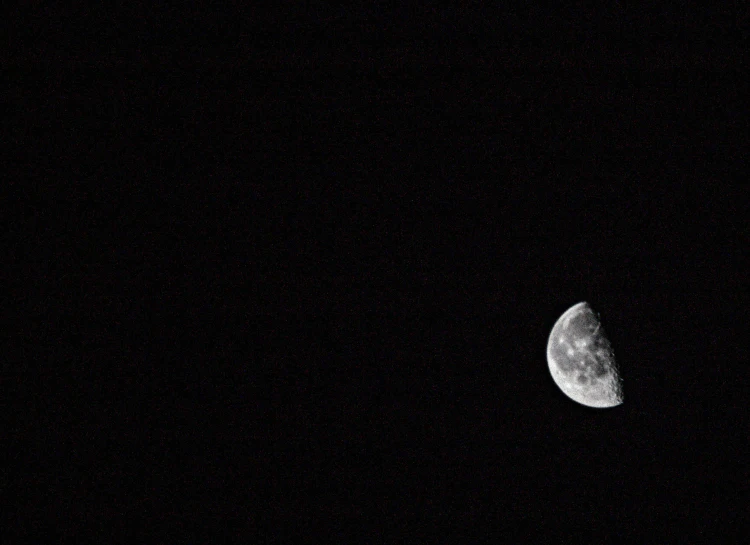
581, 359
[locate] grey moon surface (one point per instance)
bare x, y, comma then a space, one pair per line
581, 360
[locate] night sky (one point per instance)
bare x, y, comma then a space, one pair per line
302, 285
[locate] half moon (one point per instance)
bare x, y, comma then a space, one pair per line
581, 360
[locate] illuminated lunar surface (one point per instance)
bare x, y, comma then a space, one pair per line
581, 359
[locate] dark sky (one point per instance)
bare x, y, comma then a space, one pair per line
303, 284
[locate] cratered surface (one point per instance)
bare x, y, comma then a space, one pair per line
581, 359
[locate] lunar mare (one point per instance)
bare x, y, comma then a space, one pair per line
581, 360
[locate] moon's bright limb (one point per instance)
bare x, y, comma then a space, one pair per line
581, 359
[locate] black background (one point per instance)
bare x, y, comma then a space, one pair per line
291, 276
